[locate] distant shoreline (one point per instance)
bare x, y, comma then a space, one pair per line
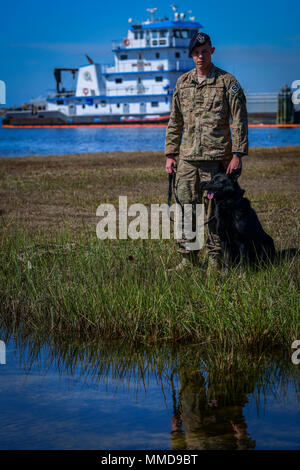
70, 126
134, 154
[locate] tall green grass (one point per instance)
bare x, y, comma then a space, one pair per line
121, 289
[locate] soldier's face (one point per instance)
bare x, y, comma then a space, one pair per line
202, 55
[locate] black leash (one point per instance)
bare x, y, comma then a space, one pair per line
172, 180
211, 218
171, 190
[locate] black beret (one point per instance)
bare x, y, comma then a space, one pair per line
198, 40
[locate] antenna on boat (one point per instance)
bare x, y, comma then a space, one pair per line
152, 11
176, 14
89, 59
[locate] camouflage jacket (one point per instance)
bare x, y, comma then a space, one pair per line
203, 112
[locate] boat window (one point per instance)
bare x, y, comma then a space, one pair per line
118, 105
162, 42
103, 103
177, 55
123, 57
163, 33
154, 104
157, 55
83, 106
193, 32
60, 101
181, 33
154, 43
138, 34
118, 80
154, 34
158, 79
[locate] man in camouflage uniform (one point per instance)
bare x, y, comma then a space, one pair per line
204, 100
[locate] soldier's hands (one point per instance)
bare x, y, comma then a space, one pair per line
234, 164
171, 166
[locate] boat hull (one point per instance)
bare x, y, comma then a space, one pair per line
58, 119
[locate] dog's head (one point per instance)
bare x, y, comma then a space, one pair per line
223, 186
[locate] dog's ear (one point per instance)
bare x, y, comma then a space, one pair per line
235, 174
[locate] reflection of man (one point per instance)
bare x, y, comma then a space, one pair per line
203, 102
210, 423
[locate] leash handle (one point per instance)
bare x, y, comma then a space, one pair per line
174, 166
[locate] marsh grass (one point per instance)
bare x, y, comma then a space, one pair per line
57, 278
122, 290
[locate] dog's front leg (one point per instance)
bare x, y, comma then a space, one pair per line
243, 255
226, 255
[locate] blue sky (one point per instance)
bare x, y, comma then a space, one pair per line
257, 41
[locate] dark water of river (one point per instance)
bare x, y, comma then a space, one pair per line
93, 396
24, 142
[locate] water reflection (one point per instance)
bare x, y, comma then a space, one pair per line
204, 394
207, 418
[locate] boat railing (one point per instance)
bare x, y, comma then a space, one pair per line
167, 41
127, 43
149, 66
62, 94
137, 90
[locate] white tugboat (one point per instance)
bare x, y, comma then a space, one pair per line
136, 90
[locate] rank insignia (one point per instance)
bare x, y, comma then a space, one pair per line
235, 87
201, 38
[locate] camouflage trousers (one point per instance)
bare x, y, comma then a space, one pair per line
187, 191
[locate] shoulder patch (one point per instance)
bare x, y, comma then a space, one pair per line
235, 87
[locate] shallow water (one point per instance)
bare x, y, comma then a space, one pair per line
93, 396
24, 142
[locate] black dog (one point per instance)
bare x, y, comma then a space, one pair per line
242, 236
